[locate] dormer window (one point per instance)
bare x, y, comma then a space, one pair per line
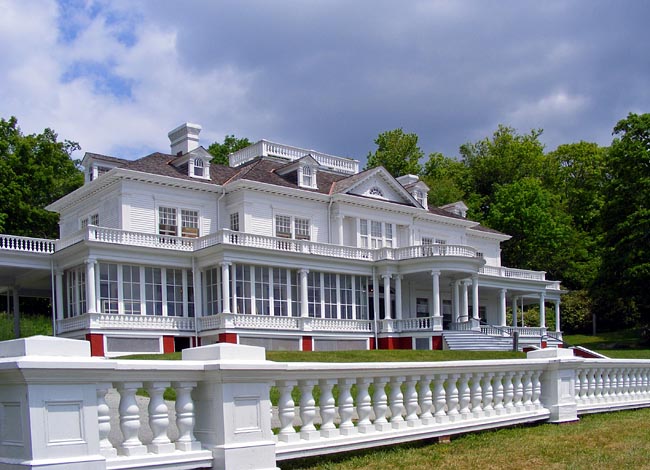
198, 168
307, 177
375, 192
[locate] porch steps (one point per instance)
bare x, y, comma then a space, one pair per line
475, 341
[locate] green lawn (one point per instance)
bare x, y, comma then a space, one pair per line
603, 441
624, 344
30, 325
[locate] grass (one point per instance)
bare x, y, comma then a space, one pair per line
624, 344
606, 441
30, 325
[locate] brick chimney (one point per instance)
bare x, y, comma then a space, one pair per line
184, 138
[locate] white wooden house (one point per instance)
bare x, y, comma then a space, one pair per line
285, 248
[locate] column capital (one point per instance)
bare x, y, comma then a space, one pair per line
90, 260
542, 297
503, 291
303, 271
474, 277
386, 276
225, 263
435, 272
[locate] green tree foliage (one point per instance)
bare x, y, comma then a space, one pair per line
397, 152
446, 178
230, 144
35, 170
624, 279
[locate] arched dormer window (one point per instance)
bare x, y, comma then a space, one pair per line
307, 177
199, 169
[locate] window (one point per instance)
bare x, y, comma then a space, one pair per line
167, 221
376, 192
189, 223
131, 289
419, 197
307, 177
243, 288
292, 227
234, 221
90, 220
94, 219
174, 292
361, 297
213, 291
380, 234
76, 291
108, 296
329, 295
198, 167
262, 297
313, 294
153, 291
347, 304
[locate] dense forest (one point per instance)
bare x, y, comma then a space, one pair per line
580, 212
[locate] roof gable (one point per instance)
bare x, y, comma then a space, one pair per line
377, 184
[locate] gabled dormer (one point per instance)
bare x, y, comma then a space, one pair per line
96, 165
305, 169
375, 183
458, 208
196, 163
416, 188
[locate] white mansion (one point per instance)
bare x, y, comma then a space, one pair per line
284, 248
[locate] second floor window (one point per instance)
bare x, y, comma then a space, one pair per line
234, 221
375, 234
292, 227
189, 223
168, 222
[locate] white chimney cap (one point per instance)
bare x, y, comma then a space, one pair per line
184, 138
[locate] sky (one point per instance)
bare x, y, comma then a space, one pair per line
328, 75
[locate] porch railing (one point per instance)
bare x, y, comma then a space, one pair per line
501, 271
270, 322
225, 409
124, 321
26, 244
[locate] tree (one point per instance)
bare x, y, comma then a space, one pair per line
397, 152
230, 144
446, 179
35, 170
622, 287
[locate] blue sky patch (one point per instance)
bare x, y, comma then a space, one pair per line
105, 82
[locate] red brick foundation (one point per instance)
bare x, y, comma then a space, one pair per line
307, 343
228, 338
96, 344
168, 344
436, 343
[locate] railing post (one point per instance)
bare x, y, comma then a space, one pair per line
558, 383
232, 405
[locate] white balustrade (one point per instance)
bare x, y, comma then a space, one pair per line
26, 244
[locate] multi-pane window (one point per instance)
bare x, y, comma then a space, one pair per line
388, 238
313, 294
234, 221
262, 295
307, 177
329, 295
108, 289
302, 228
213, 291
346, 293
363, 233
167, 224
243, 288
375, 234
190, 294
94, 219
189, 223
153, 291
174, 292
76, 291
198, 167
283, 226
131, 289
361, 297
280, 289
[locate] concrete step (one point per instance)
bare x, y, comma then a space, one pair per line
475, 341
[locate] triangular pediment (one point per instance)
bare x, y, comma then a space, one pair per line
381, 185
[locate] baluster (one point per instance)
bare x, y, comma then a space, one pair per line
584, 384
633, 383
185, 418
591, 385
307, 410
476, 394
327, 408
130, 419
364, 406
158, 418
346, 407
411, 402
537, 389
528, 390
518, 390
646, 382
287, 411
452, 395
598, 391
396, 403
439, 397
498, 393
618, 393
380, 404
625, 373
487, 392
464, 395
104, 422
508, 392
607, 385
426, 400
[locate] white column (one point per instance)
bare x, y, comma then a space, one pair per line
464, 301
456, 306
387, 313
398, 297
475, 313
375, 296
304, 293
225, 287
557, 316
91, 298
542, 311
233, 289
502, 307
514, 311
435, 278
59, 294
339, 229
198, 292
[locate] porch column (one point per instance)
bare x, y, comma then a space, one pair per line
542, 311
502, 307
59, 294
387, 313
339, 229
304, 293
435, 278
91, 297
198, 292
557, 316
514, 311
456, 306
464, 301
225, 287
475, 311
398, 297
